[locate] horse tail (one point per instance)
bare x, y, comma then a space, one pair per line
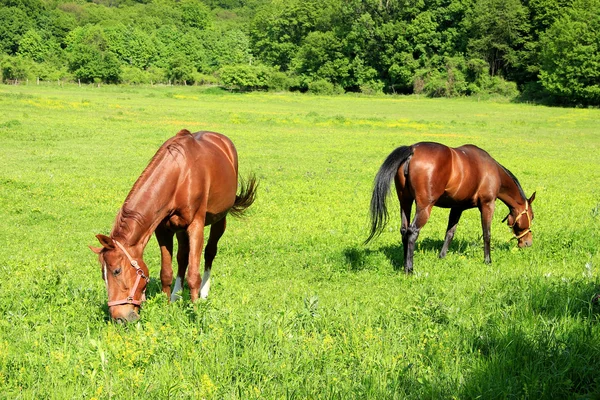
383, 180
246, 197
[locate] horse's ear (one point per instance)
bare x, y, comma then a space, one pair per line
106, 241
96, 250
532, 198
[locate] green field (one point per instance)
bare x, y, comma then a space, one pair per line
299, 308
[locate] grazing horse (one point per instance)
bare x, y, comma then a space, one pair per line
191, 182
432, 174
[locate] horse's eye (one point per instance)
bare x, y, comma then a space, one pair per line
116, 271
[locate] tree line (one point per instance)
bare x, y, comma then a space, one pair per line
538, 49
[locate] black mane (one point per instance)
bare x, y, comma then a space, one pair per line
515, 180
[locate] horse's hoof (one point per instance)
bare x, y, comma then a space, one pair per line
175, 297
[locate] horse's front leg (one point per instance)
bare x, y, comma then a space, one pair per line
487, 212
453, 219
165, 241
196, 241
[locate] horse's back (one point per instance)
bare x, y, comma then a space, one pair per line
452, 176
209, 173
430, 166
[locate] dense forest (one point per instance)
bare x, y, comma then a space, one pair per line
539, 49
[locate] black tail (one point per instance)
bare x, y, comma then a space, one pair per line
389, 168
246, 196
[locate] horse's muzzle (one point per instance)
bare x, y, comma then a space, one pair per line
125, 317
525, 243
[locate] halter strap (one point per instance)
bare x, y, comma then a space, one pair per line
526, 231
140, 274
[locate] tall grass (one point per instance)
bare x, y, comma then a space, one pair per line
298, 307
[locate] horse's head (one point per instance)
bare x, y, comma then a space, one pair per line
520, 223
125, 279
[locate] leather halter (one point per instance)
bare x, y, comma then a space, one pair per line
526, 231
139, 275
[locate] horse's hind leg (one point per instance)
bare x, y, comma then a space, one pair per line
216, 231
405, 211
165, 241
183, 251
421, 217
453, 219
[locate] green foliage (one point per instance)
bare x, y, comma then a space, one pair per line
39, 46
14, 69
570, 56
195, 14
132, 46
358, 45
14, 23
245, 76
498, 31
222, 48
277, 32
90, 58
323, 86
321, 58
180, 70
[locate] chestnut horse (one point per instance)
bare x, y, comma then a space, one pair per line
432, 174
191, 182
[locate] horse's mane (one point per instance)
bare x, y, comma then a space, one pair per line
172, 147
515, 180
121, 227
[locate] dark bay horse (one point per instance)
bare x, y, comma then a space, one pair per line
190, 183
431, 174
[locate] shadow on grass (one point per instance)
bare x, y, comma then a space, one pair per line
550, 350
357, 257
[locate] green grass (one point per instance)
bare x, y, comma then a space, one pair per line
299, 308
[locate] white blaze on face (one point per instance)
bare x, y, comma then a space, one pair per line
178, 287
204, 289
104, 271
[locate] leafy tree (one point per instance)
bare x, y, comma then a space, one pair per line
195, 14
14, 68
131, 45
277, 31
570, 57
321, 57
14, 22
89, 56
498, 31
180, 70
230, 47
38, 46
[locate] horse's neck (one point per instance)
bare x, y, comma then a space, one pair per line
509, 192
143, 210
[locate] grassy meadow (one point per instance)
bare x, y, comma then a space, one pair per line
299, 308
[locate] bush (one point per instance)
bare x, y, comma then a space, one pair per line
372, 87
502, 87
445, 80
322, 86
205, 79
280, 81
134, 75
15, 69
245, 77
